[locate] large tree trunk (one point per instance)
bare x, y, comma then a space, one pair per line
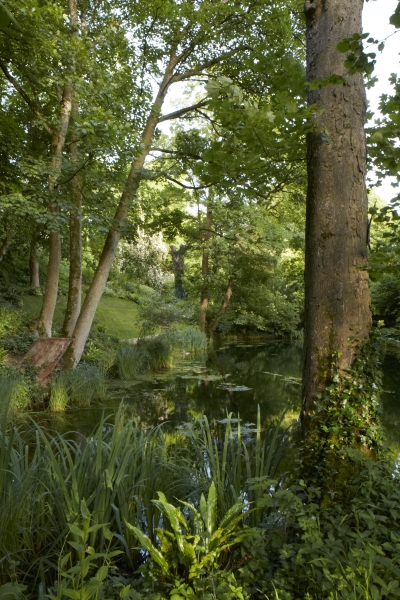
337, 305
45, 320
205, 269
223, 307
84, 323
75, 238
34, 264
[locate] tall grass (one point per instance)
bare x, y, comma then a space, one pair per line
47, 483
191, 339
14, 394
155, 353
59, 392
87, 382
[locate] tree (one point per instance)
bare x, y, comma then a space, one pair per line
337, 305
177, 43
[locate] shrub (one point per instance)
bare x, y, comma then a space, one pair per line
20, 343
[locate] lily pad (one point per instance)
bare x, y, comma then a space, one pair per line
231, 387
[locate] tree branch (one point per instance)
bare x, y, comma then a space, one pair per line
32, 105
207, 64
188, 187
182, 111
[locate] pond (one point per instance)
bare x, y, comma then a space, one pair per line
233, 378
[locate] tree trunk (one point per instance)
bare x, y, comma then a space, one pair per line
6, 244
34, 264
205, 268
178, 262
337, 306
50, 295
223, 307
84, 323
75, 238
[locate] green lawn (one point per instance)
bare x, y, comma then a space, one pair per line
119, 317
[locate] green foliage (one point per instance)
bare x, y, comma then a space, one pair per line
189, 339
14, 394
131, 361
87, 382
194, 546
59, 392
346, 416
348, 549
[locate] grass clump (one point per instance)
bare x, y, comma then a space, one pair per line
59, 392
14, 394
131, 361
188, 340
87, 383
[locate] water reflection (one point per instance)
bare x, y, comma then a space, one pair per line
234, 378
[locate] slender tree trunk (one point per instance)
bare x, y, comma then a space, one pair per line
205, 269
84, 323
34, 263
223, 307
6, 244
337, 306
50, 295
75, 238
178, 262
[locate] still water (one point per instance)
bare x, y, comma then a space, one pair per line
234, 378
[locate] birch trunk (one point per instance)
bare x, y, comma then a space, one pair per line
204, 295
34, 264
223, 307
337, 305
45, 320
75, 238
85, 320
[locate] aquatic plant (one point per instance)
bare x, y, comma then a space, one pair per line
59, 392
190, 339
87, 382
131, 361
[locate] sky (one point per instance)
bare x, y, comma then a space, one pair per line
376, 16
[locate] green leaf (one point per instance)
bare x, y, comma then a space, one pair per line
148, 546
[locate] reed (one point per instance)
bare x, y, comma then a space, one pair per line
59, 392
87, 383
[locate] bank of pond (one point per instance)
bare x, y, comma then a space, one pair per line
183, 483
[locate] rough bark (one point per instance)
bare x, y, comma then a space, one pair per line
205, 268
75, 238
84, 323
45, 320
337, 305
6, 244
34, 264
223, 307
178, 263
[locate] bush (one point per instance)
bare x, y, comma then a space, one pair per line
19, 344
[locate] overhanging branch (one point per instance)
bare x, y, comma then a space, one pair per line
32, 105
178, 113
